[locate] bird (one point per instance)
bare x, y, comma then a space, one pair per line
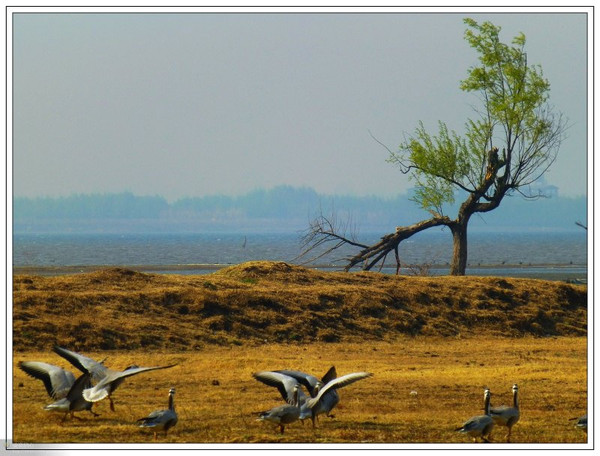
318, 403
287, 388
74, 401
61, 386
57, 380
107, 380
311, 382
505, 415
328, 401
581, 422
96, 369
162, 419
480, 425
313, 385
283, 415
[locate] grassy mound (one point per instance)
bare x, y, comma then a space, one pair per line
254, 302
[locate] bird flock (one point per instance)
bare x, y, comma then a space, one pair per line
98, 382
322, 398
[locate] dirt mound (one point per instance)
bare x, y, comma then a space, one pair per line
116, 308
278, 270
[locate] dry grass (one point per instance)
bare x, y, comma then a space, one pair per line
444, 337
281, 303
217, 398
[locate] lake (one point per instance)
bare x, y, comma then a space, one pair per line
520, 254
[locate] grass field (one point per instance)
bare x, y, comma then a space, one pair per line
281, 303
217, 399
432, 343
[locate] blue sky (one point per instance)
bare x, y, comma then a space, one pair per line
198, 104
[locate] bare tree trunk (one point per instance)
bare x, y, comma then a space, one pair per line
458, 264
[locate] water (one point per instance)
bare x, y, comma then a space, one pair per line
515, 254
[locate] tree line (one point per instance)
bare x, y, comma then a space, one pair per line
283, 203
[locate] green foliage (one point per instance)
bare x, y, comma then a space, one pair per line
513, 117
439, 161
512, 89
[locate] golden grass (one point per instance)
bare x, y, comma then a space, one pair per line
278, 302
218, 400
444, 337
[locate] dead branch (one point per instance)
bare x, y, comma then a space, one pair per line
323, 231
329, 231
372, 255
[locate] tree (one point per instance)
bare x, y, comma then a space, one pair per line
514, 116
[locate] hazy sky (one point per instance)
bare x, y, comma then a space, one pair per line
197, 104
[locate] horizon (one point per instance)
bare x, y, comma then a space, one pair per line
405, 193
280, 208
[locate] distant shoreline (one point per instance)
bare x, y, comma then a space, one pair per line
560, 272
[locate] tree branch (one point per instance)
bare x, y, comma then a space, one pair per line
371, 255
326, 231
